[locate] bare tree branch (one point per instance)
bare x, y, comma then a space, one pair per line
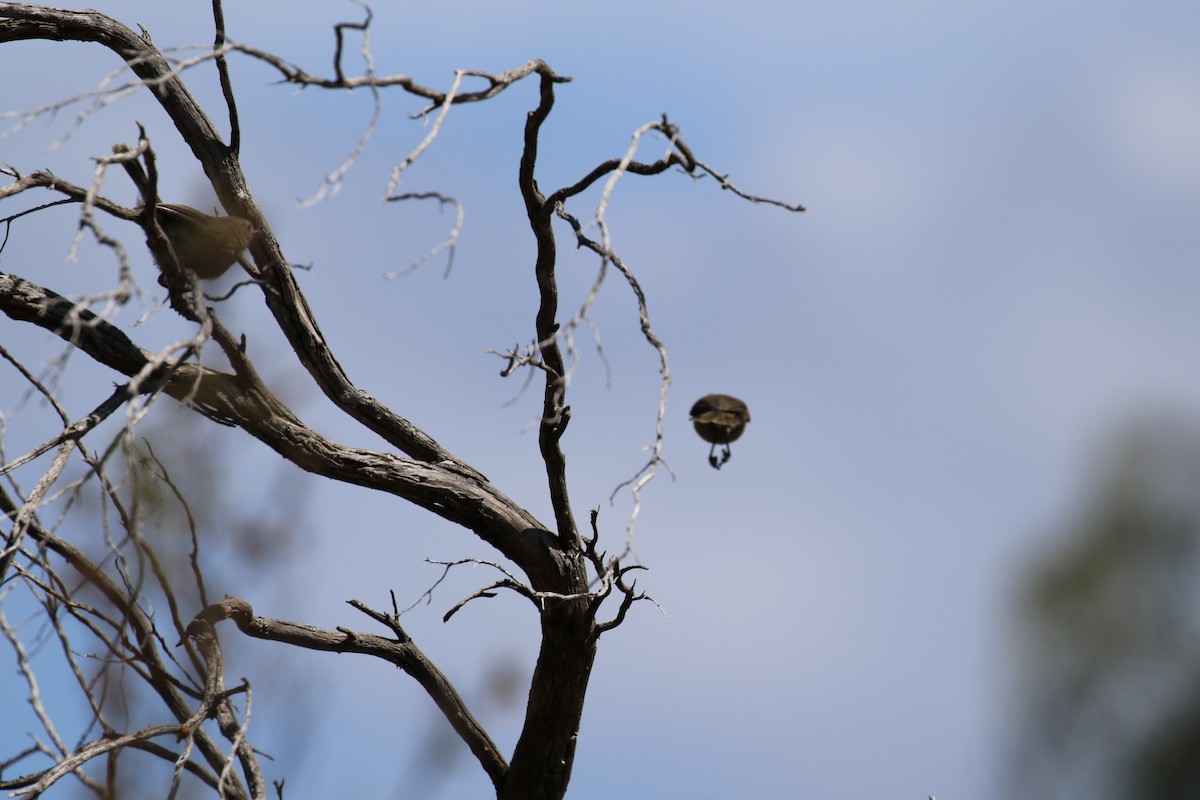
446, 492
555, 413
235, 127
146, 651
401, 652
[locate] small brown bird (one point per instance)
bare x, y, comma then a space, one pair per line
719, 419
204, 245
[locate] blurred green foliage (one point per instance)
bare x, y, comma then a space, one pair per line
1109, 632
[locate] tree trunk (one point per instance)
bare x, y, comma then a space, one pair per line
541, 763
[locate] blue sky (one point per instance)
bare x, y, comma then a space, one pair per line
997, 270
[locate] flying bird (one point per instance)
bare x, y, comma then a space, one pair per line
719, 419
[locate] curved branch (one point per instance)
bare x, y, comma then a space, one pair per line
442, 489
37, 784
648, 471
555, 413
680, 154
235, 125
400, 652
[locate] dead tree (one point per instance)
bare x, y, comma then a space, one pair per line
578, 591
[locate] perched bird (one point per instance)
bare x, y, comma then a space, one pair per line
204, 245
719, 419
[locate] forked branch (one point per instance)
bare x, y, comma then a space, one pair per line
400, 651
